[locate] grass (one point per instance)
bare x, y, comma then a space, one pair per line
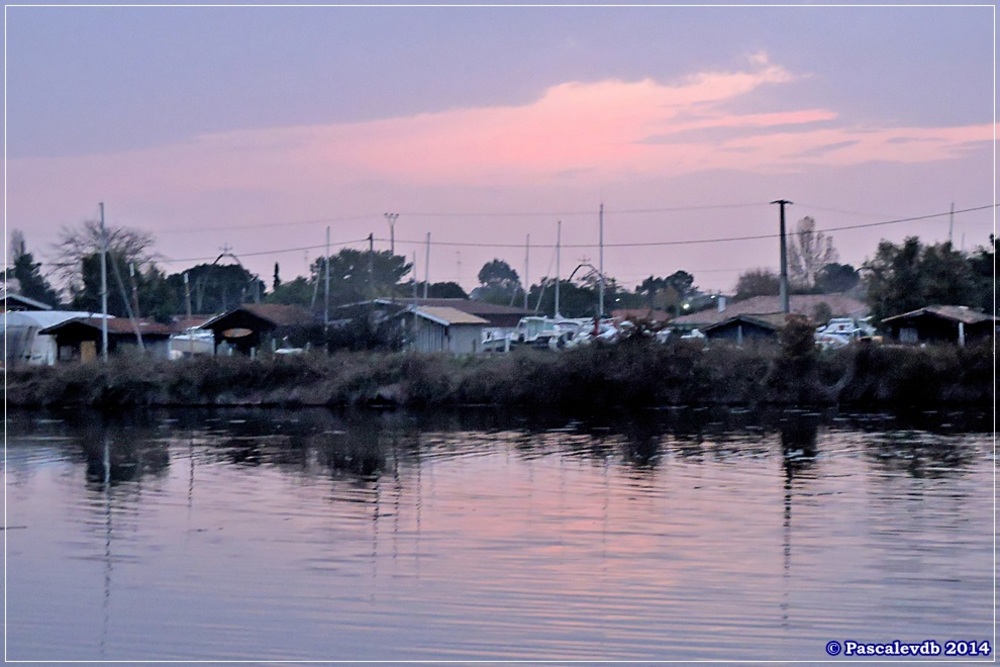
636, 373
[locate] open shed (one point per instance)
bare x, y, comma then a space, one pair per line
743, 328
942, 324
249, 327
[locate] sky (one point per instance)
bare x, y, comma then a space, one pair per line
255, 128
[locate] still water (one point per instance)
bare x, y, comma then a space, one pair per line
314, 535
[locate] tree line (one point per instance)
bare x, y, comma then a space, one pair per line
896, 279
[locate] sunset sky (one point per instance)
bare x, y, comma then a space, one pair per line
257, 127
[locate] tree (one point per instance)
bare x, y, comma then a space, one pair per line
143, 293
808, 252
906, 277
836, 278
445, 290
359, 275
983, 265
498, 283
299, 292
667, 293
682, 281
757, 282
216, 288
28, 273
75, 244
497, 274
574, 300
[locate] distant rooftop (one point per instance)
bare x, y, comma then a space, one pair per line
841, 305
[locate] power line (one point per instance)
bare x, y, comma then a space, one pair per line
639, 244
754, 237
268, 252
445, 214
265, 225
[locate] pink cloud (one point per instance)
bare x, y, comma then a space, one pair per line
617, 140
593, 131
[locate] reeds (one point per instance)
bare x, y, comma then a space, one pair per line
635, 373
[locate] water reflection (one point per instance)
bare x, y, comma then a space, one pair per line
681, 534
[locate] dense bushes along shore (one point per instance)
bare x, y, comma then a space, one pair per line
638, 373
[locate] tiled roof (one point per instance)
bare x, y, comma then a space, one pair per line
470, 306
446, 315
962, 314
116, 325
278, 314
840, 305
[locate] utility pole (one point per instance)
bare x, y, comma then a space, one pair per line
600, 264
527, 251
391, 219
187, 302
326, 287
427, 265
784, 257
414, 278
371, 265
951, 223
104, 288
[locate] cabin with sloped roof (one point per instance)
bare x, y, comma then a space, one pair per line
959, 325
249, 328
445, 329
81, 338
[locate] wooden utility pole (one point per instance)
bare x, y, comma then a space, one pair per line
326, 288
600, 263
784, 257
371, 265
104, 288
427, 265
527, 254
187, 302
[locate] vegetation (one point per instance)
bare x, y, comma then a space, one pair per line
905, 277
809, 251
27, 272
635, 373
897, 279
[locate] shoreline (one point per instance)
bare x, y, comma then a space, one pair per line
633, 374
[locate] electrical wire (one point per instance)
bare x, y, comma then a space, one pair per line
640, 244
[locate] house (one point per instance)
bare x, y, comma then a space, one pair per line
496, 316
23, 341
810, 305
500, 320
249, 327
942, 324
445, 329
16, 302
743, 328
80, 338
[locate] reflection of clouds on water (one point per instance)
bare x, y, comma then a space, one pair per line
681, 534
